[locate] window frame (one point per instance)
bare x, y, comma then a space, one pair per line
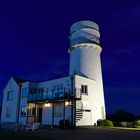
24, 111
24, 92
84, 89
8, 112
9, 97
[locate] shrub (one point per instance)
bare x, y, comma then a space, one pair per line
64, 123
137, 123
117, 123
104, 123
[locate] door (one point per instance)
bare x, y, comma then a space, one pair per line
39, 115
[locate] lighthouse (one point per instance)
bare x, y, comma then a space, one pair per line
85, 61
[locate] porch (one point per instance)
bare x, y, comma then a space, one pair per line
51, 112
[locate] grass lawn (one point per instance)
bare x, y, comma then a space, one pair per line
127, 128
121, 128
90, 133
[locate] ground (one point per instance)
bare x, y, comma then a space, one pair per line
73, 134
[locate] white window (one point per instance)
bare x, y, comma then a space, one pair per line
23, 111
24, 92
10, 95
8, 112
84, 89
58, 110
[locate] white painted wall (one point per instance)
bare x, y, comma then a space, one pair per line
47, 112
91, 101
47, 115
24, 101
11, 86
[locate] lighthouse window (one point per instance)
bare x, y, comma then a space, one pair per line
84, 89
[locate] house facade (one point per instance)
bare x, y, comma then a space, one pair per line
78, 97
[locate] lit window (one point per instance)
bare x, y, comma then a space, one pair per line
58, 110
23, 111
8, 112
24, 92
31, 111
10, 95
84, 89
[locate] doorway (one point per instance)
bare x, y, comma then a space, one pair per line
39, 115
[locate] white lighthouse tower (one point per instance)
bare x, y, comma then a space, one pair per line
85, 61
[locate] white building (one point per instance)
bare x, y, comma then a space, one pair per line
78, 97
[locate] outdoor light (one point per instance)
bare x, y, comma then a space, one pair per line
29, 107
47, 105
66, 103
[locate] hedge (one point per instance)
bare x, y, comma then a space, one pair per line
104, 123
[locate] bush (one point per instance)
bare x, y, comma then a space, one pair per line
64, 123
117, 123
137, 123
104, 123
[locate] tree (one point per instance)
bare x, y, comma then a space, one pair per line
122, 115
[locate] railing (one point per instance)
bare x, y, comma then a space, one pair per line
55, 95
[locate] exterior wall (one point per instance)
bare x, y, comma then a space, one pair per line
47, 115
20, 101
0, 112
86, 62
47, 111
12, 104
24, 100
90, 102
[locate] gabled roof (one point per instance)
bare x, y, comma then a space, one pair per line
19, 80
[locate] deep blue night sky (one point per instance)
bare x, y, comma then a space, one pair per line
34, 43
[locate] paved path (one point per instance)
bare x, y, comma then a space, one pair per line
73, 134
90, 134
